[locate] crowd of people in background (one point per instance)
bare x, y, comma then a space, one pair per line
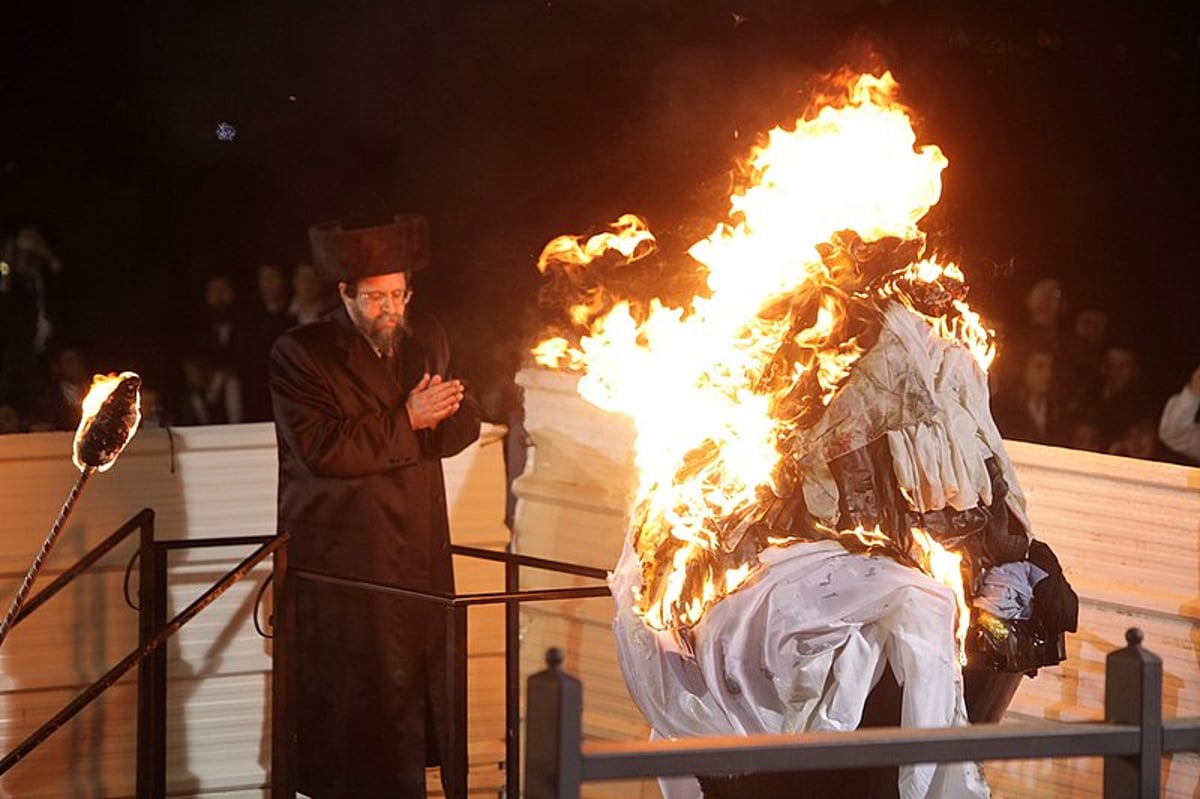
216, 356
1058, 380
1068, 383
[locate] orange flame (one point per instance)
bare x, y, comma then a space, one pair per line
946, 567
102, 387
713, 389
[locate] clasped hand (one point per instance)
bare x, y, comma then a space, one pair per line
432, 400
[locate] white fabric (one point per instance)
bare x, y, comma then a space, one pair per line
799, 648
1178, 427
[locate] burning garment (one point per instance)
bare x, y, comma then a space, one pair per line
814, 444
799, 648
906, 442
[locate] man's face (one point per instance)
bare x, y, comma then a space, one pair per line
219, 295
377, 307
1120, 367
271, 281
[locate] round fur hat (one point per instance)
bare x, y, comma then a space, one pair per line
353, 250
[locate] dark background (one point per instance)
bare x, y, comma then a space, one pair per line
1071, 130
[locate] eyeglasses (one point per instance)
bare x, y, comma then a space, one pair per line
399, 297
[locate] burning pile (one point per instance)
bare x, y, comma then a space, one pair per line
827, 382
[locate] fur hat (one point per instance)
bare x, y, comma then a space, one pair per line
349, 251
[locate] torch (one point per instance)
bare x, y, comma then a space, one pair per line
111, 413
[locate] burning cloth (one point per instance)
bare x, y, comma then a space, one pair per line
801, 644
822, 490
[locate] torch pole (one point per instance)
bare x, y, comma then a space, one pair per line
30, 576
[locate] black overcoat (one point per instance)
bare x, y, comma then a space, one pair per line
362, 496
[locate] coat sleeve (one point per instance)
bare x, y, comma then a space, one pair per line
456, 433
326, 440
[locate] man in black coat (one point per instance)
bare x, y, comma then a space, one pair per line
365, 409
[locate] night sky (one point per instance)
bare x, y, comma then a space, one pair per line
1071, 130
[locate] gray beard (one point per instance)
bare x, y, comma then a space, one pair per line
387, 342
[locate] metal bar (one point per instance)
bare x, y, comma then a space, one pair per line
512, 681
466, 600
554, 718
384, 588
455, 761
283, 680
136, 656
863, 748
204, 543
1133, 696
533, 595
545, 564
39, 559
85, 563
152, 670
1181, 735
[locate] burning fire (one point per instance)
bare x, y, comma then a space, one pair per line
112, 411
823, 234
946, 567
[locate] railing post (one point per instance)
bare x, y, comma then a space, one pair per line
554, 729
283, 664
152, 672
455, 762
1133, 695
512, 682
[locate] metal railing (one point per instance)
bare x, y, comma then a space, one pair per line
154, 630
454, 613
1132, 739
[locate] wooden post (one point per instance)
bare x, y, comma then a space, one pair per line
1133, 695
554, 728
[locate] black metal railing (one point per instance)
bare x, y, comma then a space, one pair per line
154, 630
454, 613
1132, 739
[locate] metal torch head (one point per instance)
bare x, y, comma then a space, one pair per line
111, 414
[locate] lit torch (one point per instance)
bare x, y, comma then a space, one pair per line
111, 413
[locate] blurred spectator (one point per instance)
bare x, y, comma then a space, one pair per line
1085, 435
1178, 425
26, 266
1139, 441
223, 334
1033, 410
10, 420
1039, 333
153, 411
57, 405
1122, 399
1081, 355
275, 317
211, 395
312, 298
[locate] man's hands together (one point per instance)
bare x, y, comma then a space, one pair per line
432, 400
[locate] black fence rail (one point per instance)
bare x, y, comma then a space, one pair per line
453, 608
1132, 739
154, 630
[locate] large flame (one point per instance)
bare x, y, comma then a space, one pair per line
715, 387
